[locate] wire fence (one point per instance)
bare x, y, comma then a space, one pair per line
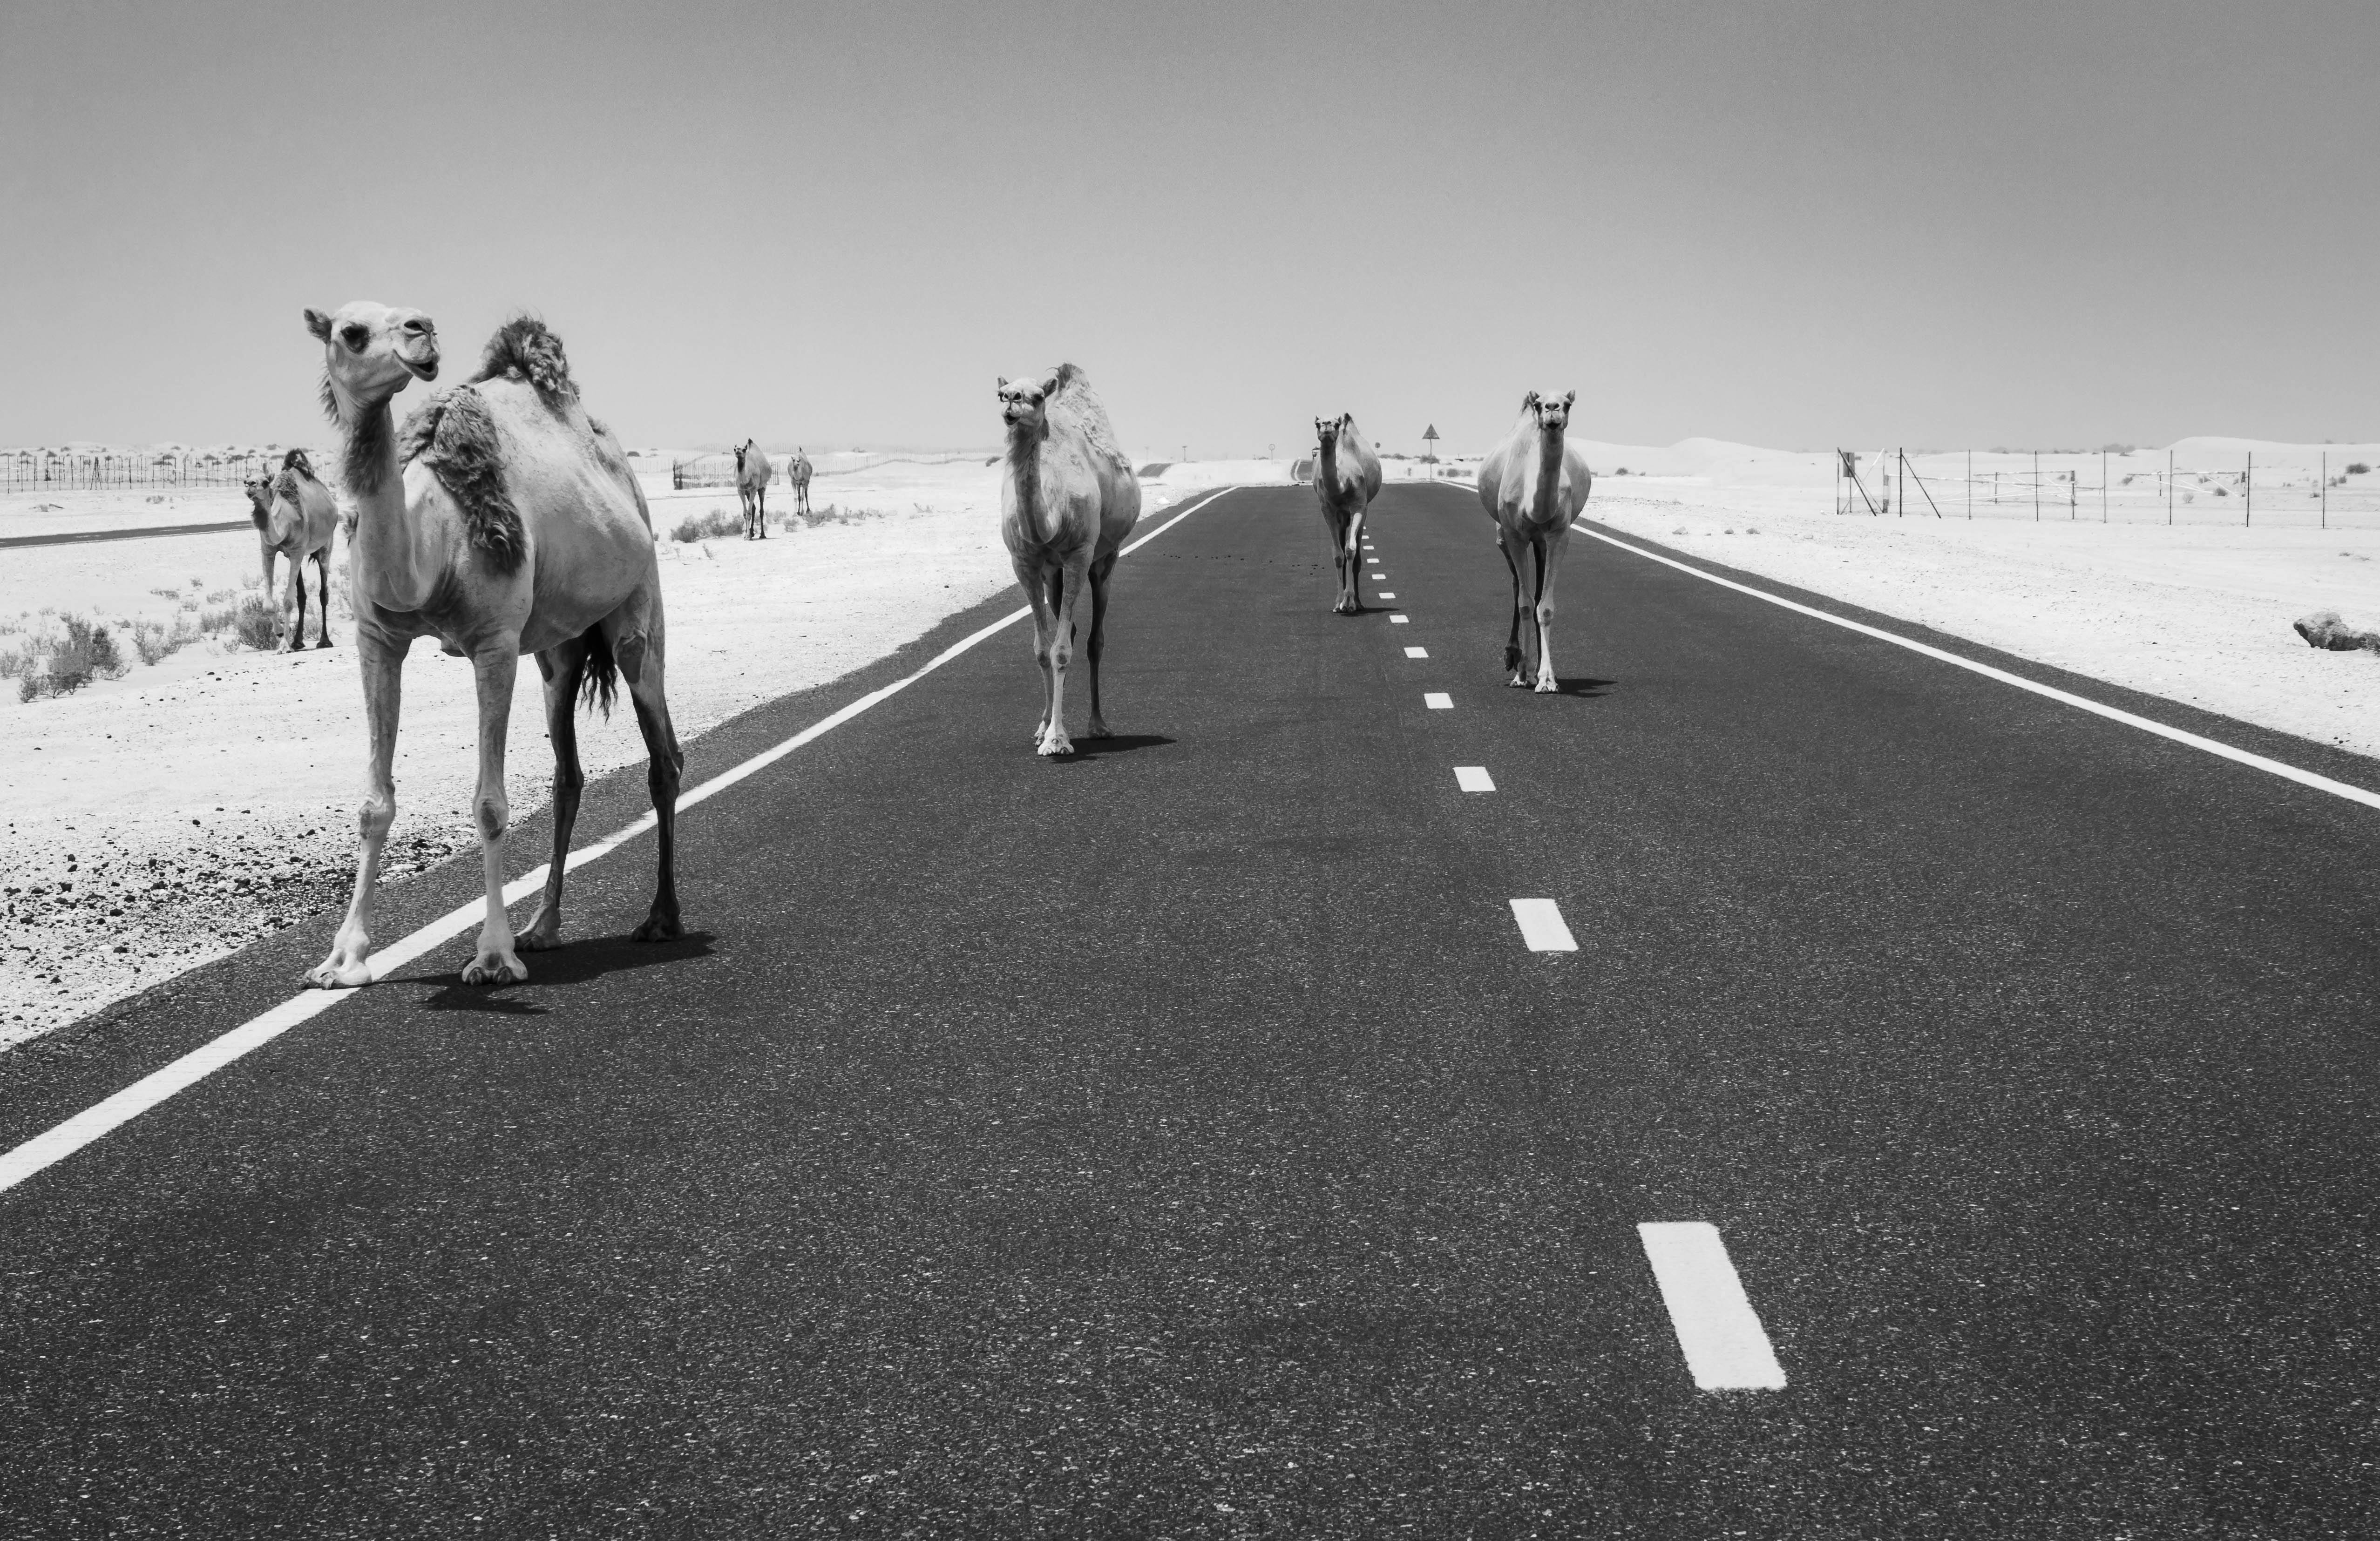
2110, 486
75, 471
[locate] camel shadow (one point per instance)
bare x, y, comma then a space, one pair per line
1581, 686
1122, 744
574, 963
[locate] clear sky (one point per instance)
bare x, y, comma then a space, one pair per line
1798, 224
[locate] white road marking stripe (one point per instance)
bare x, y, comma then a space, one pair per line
55, 1145
1472, 778
1416, 652
1384, 594
1395, 620
1438, 700
1724, 1345
2115, 714
1542, 927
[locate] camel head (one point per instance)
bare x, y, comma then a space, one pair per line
739, 454
1327, 429
1552, 416
370, 352
1021, 400
260, 495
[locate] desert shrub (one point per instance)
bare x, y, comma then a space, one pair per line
709, 526
154, 640
255, 624
2359, 468
59, 663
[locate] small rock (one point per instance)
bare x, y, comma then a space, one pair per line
2324, 630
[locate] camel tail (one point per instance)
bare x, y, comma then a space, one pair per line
455, 435
524, 349
602, 682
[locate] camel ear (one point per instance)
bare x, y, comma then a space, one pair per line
1569, 396
1528, 400
318, 324
1002, 386
1049, 384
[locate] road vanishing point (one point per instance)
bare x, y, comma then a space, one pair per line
1790, 1082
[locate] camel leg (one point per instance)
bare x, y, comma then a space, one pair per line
1061, 652
1549, 555
1040, 593
293, 603
382, 659
322, 592
264, 546
664, 764
1100, 572
1513, 657
764, 496
495, 666
563, 667
1356, 562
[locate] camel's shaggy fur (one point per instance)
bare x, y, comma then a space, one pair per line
523, 350
456, 436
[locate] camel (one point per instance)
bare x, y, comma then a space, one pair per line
294, 516
1346, 479
1532, 486
797, 478
1067, 500
752, 472
502, 520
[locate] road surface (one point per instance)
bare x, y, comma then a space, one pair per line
1187, 1139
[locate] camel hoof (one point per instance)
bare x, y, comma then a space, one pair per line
337, 973
323, 644
1518, 681
1056, 743
542, 935
1100, 729
495, 968
1547, 686
658, 927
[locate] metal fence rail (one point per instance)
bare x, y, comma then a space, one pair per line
75, 471
719, 470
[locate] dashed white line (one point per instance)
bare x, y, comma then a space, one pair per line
1542, 927
1384, 595
1726, 1349
1416, 652
1394, 620
1472, 778
1438, 700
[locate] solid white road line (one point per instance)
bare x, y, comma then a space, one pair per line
1438, 700
1395, 620
2114, 714
53, 1145
1542, 927
1724, 1345
1472, 778
1416, 652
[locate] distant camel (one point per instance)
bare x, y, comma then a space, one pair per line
294, 516
752, 469
797, 477
1532, 486
502, 521
1067, 499
1346, 479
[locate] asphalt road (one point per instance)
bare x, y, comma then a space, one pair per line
1181, 1139
85, 537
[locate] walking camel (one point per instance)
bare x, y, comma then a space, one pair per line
1346, 479
1532, 486
797, 478
1067, 500
294, 516
502, 520
752, 471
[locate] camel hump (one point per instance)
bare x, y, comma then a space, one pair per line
1074, 401
296, 461
455, 435
285, 484
524, 348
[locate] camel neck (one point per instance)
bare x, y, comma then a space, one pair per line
1549, 469
1326, 465
1024, 441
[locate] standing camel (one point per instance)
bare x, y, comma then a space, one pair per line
752, 471
502, 520
797, 477
1067, 499
294, 516
1533, 485
1346, 479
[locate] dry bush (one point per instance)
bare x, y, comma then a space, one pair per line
707, 526
57, 664
154, 640
255, 623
